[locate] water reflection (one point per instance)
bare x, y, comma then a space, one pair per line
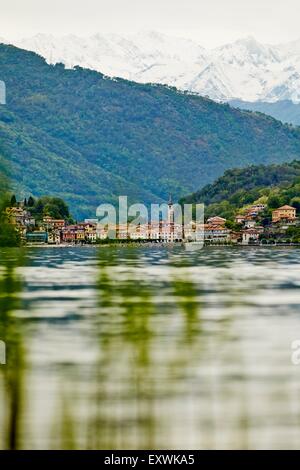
138, 355
145, 348
11, 375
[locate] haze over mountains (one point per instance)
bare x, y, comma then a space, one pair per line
284, 110
87, 138
245, 69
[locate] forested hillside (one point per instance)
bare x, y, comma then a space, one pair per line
78, 135
274, 185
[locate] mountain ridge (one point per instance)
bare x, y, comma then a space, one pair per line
244, 69
88, 139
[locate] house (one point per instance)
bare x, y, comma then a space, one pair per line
54, 237
255, 209
53, 224
91, 237
216, 233
216, 221
80, 235
154, 231
167, 232
251, 214
20, 217
122, 231
284, 213
90, 230
69, 234
258, 207
249, 222
170, 232
235, 237
75, 233
240, 219
106, 231
91, 221
29, 220
250, 235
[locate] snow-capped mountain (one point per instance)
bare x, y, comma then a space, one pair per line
245, 69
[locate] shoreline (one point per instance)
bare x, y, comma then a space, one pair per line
160, 245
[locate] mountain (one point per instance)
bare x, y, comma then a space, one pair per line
284, 111
86, 138
245, 69
274, 185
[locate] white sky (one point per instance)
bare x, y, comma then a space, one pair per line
210, 22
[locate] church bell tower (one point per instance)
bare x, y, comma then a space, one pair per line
170, 211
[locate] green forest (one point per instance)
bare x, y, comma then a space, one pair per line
8, 234
273, 185
86, 138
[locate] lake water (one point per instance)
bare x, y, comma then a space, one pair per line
149, 348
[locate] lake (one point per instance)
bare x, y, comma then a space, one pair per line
149, 348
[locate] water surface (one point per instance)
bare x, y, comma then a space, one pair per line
115, 348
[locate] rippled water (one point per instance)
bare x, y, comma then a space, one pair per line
149, 348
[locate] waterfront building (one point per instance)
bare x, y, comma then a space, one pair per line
38, 237
216, 233
250, 235
69, 234
54, 237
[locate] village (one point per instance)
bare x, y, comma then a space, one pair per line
249, 229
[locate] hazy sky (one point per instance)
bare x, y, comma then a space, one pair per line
210, 22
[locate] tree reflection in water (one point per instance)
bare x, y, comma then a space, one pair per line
11, 332
148, 348
140, 354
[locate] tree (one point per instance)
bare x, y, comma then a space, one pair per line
51, 210
233, 226
9, 236
30, 202
13, 201
295, 202
274, 201
50, 206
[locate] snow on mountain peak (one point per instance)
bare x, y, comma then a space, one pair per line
244, 69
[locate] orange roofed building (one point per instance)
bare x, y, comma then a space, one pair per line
284, 213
